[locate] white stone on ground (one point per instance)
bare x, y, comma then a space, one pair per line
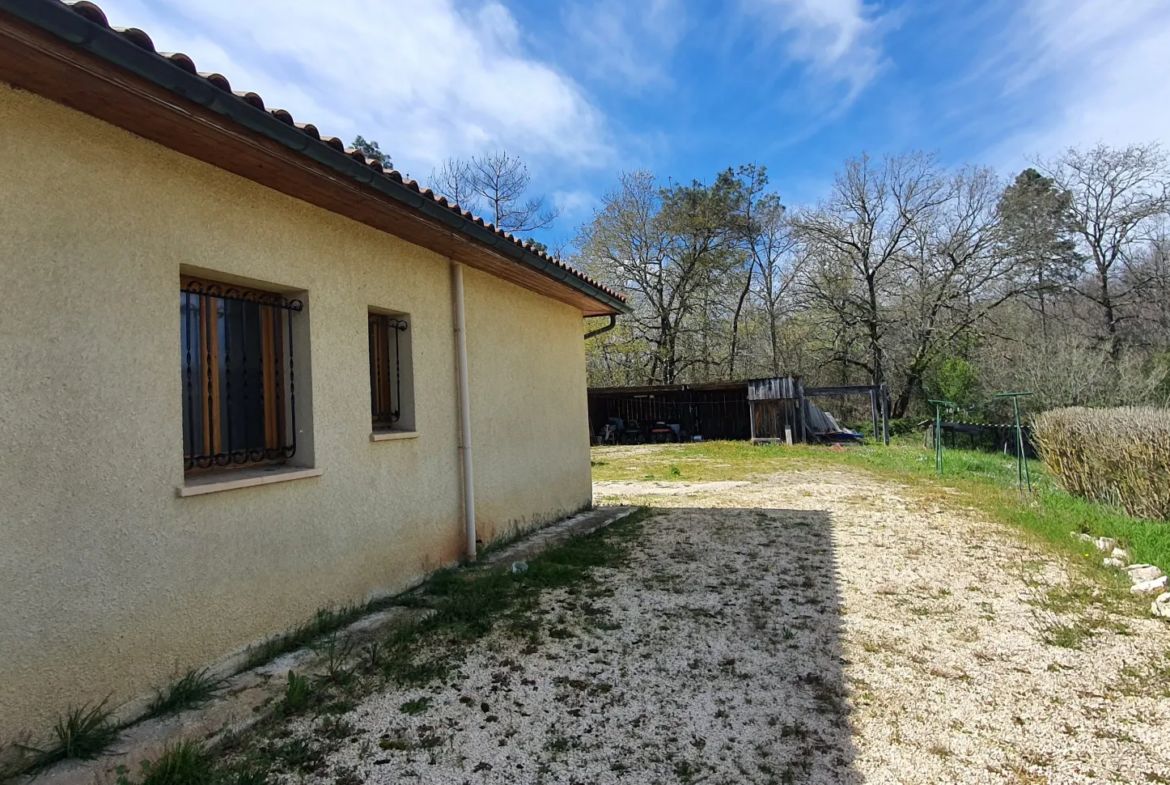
821, 626
1116, 564
1161, 606
1149, 587
1106, 544
1140, 573
1120, 555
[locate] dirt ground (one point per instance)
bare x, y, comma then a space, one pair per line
825, 627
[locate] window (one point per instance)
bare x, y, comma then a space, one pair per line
391, 388
238, 372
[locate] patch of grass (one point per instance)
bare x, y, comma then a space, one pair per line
1065, 634
196, 688
335, 728
939, 750
986, 481
296, 694
185, 763
466, 603
338, 670
325, 622
416, 706
1146, 678
300, 754
84, 733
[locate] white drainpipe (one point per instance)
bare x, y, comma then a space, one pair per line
464, 410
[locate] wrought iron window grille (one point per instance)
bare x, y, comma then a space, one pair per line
386, 369
238, 371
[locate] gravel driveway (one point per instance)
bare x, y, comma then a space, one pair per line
805, 627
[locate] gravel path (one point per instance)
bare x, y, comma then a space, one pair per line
807, 627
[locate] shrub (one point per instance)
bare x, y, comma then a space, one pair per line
1120, 456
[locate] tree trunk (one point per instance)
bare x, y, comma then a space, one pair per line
735, 324
775, 340
1043, 311
872, 329
1111, 336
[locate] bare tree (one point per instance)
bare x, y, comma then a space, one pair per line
774, 265
859, 231
952, 276
1115, 196
664, 246
758, 218
929, 279
453, 180
496, 183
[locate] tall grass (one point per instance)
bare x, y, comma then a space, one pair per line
1118, 456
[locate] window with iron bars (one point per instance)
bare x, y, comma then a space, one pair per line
238, 373
389, 372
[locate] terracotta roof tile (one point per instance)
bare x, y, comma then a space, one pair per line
93, 13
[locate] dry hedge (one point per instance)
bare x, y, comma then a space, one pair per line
1120, 456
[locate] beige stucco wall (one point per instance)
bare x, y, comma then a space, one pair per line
110, 583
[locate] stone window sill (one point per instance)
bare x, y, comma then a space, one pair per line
244, 478
390, 436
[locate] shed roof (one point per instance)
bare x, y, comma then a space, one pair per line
68, 52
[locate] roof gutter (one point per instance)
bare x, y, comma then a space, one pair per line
60, 20
603, 329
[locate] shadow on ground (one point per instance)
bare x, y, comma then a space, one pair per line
732, 667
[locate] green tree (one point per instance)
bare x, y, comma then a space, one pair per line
1035, 232
370, 149
958, 381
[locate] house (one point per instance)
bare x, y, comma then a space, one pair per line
236, 365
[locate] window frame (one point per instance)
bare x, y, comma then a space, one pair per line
277, 391
391, 380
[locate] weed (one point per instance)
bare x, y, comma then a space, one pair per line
557, 743
196, 688
1054, 631
301, 754
685, 771
296, 694
83, 733
675, 471
186, 763
416, 706
335, 728
347, 775
337, 656
325, 621
372, 657
1151, 679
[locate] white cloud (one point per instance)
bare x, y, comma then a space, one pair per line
428, 79
628, 44
840, 41
1090, 71
575, 205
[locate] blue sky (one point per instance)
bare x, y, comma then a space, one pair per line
584, 89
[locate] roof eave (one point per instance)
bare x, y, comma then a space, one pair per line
63, 22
